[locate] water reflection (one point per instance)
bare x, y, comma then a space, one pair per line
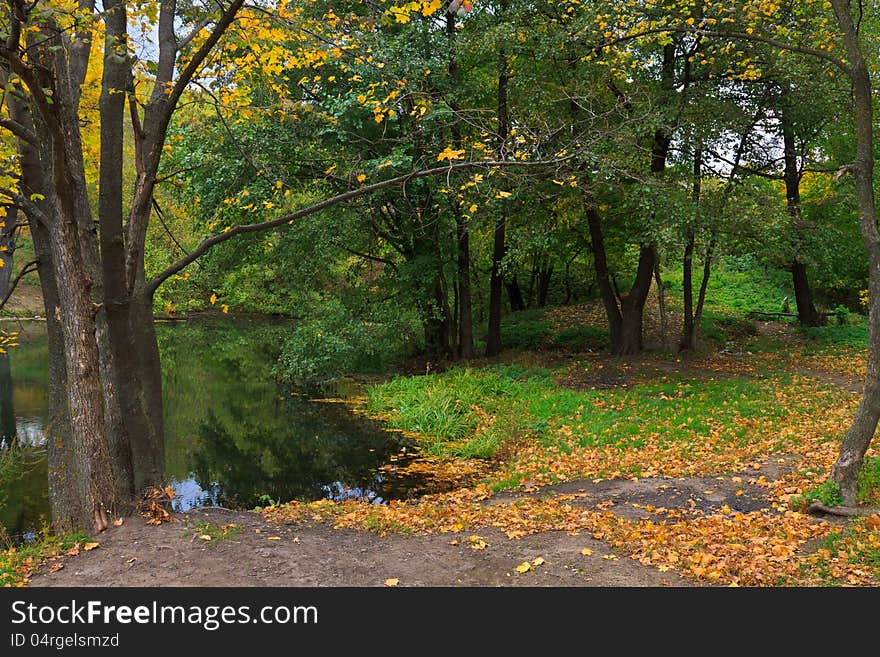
233, 437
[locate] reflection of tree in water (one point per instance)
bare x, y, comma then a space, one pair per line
296, 452
23, 470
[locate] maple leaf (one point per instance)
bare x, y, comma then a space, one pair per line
524, 567
90, 546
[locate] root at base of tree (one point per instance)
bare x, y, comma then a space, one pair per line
845, 511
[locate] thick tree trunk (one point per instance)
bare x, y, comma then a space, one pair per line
95, 485
803, 294
632, 306
148, 449
860, 433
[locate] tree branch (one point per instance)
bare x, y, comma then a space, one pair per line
742, 36
201, 55
27, 269
210, 242
19, 130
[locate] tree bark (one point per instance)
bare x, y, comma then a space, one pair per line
806, 308
860, 433
465, 307
514, 293
496, 279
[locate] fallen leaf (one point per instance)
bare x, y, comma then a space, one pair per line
204, 537
524, 567
477, 543
586, 552
118, 522
538, 561
273, 538
55, 567
90, 546
392, 581
610, 557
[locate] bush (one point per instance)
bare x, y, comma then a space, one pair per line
526, 329
583, 337
338, 342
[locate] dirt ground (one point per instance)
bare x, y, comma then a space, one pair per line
261, 553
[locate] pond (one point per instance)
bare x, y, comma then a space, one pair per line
234, 437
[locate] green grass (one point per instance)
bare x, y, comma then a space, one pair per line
213, 534
473, 412
18, 563
853, 336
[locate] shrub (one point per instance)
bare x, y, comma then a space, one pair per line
338, 342
526, 329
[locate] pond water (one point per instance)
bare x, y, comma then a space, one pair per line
234, 437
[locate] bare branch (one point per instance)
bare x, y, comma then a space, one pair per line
19, 130
27, 269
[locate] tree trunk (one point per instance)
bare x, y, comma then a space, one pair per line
701, 298
465, 305
689, 327
496, 280
860, 433
661, 302
807, 313
514, 293
632, 306
465, 313
603, 277
545, 275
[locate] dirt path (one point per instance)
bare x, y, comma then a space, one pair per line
272, 554
261, 553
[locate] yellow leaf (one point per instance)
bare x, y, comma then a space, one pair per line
204, 537
273, 538
224, 308
502, 194
524, 567
472, 209
610, 557
449, 154
392, 581
213, 299
538, 561
361, 178
90, 546
586, 552
477, 543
